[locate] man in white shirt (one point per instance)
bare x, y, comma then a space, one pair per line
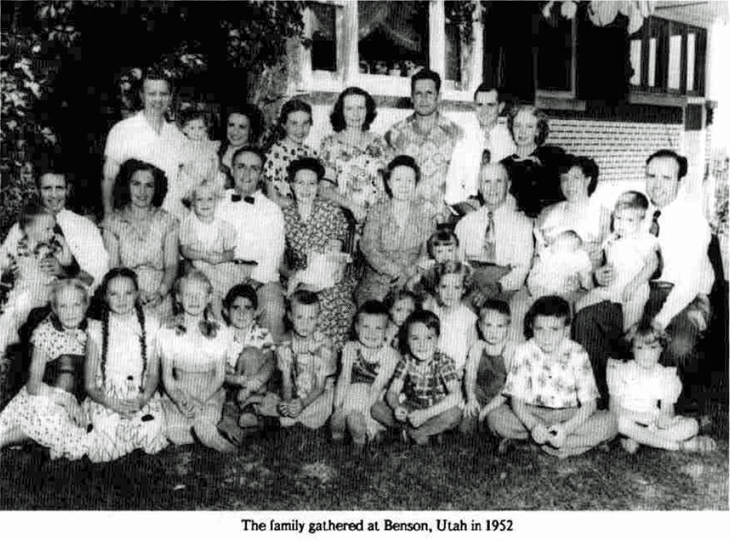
259, 226
146, 136
678, 302
487, 141
497, 239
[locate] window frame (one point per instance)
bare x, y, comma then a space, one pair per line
347, 72
663, 29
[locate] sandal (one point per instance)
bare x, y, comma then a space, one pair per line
699, 444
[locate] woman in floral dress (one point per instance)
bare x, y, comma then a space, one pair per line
354, 157
315, 227
142, 236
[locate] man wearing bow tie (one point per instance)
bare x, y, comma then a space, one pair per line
259, 225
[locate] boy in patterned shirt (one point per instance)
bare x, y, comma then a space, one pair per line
551, 388
428, 380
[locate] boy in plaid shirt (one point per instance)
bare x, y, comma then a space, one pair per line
427, 379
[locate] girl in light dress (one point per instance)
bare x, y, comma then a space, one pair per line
122, 374
208, 241
458, 323
47, 409
642, 397
194, 349
32, 285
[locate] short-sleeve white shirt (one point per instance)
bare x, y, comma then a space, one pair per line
133, 137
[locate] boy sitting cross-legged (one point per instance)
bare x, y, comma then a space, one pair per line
429, 381
551, 388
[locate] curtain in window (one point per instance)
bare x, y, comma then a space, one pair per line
394, 19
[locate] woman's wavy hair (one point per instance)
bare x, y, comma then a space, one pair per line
398, 161
543, 126
337, 117
305, 164
588, 167
292, 106
255, 119
121, 194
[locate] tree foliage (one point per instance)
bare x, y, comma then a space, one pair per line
244, 41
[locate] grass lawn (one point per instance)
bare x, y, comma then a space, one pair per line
296, 469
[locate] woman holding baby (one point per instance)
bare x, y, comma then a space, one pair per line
315, 233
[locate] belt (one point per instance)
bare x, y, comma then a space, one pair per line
656, 284
481, 264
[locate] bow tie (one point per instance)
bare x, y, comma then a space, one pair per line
237, 198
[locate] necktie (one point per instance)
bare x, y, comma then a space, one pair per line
490, 252
654, 228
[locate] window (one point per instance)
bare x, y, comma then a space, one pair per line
668, 57
392, 37
379, 45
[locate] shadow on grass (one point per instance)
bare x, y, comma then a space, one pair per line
301, 470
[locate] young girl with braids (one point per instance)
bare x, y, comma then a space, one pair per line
122, 373
194, 349
47, 409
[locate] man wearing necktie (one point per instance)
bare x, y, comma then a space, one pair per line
678, 302
259, 225
496, 240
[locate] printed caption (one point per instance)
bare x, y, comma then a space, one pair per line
380, 525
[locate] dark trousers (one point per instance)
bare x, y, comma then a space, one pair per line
598, 329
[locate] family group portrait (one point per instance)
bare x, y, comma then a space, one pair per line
342, 255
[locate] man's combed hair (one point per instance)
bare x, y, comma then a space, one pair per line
668, 153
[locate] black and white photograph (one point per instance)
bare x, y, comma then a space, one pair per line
416, 266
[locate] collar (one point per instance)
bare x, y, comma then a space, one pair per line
442, 123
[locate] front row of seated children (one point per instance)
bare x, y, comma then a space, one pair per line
541, 390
